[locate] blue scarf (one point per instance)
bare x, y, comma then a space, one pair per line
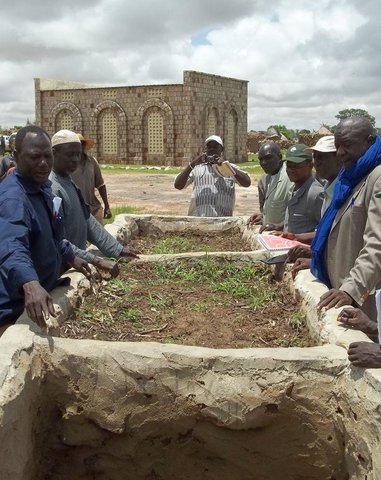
347, 181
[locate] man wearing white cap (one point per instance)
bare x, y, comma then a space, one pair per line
327, 166
79, 226
213, 181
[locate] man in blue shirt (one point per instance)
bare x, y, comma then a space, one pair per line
31, 255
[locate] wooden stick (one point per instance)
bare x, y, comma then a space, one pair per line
153, 330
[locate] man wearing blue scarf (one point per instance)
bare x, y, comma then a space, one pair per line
346, 251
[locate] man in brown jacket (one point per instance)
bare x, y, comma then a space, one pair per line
352, 253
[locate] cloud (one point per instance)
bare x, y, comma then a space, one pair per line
305, 61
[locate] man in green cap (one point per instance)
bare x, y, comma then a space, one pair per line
304, 207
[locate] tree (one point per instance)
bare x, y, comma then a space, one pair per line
355, 112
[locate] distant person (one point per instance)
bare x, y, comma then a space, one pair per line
79, 226
346, 254
213, 181
8, 162
2, 145
31, 254
274, 187
88, 177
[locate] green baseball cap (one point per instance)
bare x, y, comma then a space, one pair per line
378, 194
297, 154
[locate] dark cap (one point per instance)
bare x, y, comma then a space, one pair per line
297, 154
378, 194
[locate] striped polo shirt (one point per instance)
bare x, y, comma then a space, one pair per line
213, 195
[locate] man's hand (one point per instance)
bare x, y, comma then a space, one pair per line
298, 252
365, 354
288, 235
255, 219
81, 266
271, 227
38, 303
334, 298
107, 266
128, 252
198, 160
107, 213
357, 319
304, 237
300, 264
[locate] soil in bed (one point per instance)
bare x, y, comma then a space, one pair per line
180, 242
211, 303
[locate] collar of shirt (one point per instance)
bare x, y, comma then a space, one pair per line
31, 187
301, 190
329, 188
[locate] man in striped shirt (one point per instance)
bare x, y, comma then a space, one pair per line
213, 181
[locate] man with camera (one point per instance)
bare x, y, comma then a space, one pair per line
213, 181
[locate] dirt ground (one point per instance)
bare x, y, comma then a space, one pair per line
155, 193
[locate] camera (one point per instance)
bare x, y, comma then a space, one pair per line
210, 159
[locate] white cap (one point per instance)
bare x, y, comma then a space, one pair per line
64, 136
324, 145
214, 138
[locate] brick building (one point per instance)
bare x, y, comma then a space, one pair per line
149, 124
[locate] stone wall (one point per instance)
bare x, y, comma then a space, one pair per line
149, 124
225, 96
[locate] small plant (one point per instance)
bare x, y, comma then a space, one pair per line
295, 341
117, 284
199, 307
132, 314
160, 301
180, 271
297, 320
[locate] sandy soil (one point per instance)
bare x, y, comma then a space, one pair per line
156, 194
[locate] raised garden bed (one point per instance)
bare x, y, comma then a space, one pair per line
208, 302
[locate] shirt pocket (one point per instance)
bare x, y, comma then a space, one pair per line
357, 217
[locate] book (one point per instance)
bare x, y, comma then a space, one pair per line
224, 169
275, 243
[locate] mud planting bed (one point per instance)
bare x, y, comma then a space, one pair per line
210, 302
180, 242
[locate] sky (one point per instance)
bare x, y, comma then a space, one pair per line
304, 60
